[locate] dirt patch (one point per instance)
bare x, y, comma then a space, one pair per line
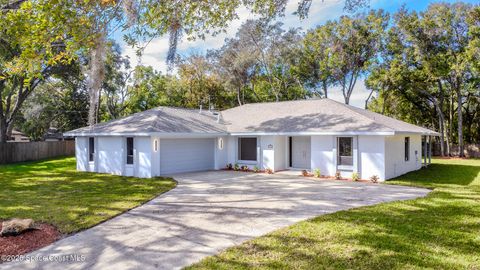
28, 241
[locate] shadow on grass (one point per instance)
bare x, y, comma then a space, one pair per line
439, 231
53, 191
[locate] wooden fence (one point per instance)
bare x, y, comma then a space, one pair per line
470, 150
12, 152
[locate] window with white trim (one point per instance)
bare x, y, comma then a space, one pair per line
345, 151
407, 148
247, 149
130, 150
91, 149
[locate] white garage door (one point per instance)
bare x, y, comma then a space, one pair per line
186, 155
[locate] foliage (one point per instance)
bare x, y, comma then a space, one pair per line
439, 231
256, 169
305, 173
269, 171
355, 176
374, 178
236, 167
317, 173
52, 191
338, 175
229, 166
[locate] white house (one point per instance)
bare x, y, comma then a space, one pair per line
303, 134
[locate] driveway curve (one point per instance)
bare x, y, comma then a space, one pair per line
206, 213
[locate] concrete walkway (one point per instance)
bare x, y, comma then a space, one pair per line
205, 214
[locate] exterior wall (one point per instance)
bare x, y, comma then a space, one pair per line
81, 153
267, 144
371, 150
322, 154
395, 164
155, 156
280, 147
109, 155
221, 155
143, 157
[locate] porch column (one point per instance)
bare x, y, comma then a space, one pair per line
429, 149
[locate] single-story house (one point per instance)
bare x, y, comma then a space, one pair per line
302, 134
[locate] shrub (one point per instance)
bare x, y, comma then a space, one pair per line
374, 178
317, 173
305, 173
269, 171
245, 168
256, 169
236, 167
229, 166
338, 175
355, 176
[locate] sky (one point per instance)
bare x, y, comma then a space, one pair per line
320, 12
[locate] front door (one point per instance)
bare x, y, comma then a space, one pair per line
300, 147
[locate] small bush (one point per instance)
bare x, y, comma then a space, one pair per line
245, 168
355, 176
305, 173
338, 175
317, 173
269, 171
256, 169
236, 167
229, 166
374, 178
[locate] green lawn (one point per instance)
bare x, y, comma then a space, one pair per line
53, 191
441, 231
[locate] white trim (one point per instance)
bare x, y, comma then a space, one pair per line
310, 133
212, 135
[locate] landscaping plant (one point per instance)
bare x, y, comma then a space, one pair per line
317, 173
355, 176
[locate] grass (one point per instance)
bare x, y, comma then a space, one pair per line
53, 191
440, 231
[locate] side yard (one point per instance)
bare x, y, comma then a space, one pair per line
440, 231
52, 191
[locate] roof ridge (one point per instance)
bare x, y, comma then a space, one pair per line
276, 102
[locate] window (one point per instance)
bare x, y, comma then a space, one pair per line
91, 149
247, 149
129, 150
407, 148
345, 151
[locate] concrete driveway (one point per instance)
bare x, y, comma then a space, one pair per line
205, 214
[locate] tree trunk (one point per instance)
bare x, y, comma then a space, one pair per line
3, 131
460, 122
325, 89
238, 97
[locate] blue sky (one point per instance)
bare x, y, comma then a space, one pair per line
320, 12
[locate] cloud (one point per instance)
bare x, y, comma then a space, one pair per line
358, 97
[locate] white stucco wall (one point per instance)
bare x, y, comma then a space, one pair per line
110, 155
322, 154
280, 148
267, 144
221, 155
371, 151
81, 153
155, 160
143, 157
395, 164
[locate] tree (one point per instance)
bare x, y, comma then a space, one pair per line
354, 45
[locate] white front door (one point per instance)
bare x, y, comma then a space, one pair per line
300, 152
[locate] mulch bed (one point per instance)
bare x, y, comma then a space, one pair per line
28, 241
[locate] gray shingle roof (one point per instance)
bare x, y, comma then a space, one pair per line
158, 120
320, 116
316, 116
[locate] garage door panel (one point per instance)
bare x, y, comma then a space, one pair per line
186, 155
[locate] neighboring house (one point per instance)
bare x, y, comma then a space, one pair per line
18, 136
304, 134
53, 135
